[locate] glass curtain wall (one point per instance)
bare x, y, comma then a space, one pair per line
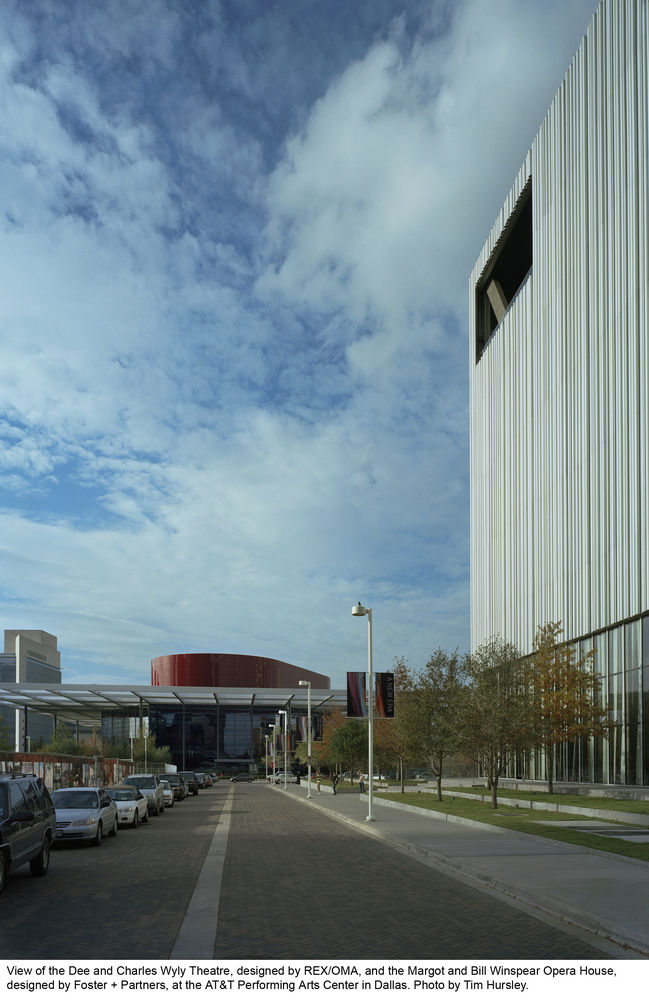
229, 738
621, 663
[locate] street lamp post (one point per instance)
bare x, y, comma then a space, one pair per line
274, 736
359, 610
283, 712
307, 685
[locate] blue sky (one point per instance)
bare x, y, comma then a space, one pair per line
235, 242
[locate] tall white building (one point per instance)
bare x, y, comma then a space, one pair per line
559, 362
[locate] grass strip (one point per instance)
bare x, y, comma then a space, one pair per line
584, 801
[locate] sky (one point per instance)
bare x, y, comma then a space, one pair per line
235, 242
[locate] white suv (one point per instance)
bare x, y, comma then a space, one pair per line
149, 785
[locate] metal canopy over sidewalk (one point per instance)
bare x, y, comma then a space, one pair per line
74, 702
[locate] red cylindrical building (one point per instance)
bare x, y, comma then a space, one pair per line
230, 670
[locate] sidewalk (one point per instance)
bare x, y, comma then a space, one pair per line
598, 892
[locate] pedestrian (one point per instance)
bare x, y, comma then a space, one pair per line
361, 782
318, 778
334, 782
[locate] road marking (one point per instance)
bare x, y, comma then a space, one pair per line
197, 934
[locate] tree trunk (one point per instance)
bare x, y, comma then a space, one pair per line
402, 775
439, 786
494, 793
549, 763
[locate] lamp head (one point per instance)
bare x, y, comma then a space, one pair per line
358, 609
304, 684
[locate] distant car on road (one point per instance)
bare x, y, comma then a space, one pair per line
149, 785
84, 814
189, 777
27, 825
178, 786
290, 778
167, 792
246, 776
132, 805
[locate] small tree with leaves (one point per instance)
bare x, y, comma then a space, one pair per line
495, 710
146, 750
430, 709
63, 741
566, 695
392, 743
348, 745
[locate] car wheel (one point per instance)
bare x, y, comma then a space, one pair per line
39, 865
3, 871
97, 839
135, 819
113, 832
171, 804
145, 818
162, 808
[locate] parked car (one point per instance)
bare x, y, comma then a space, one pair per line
290, 778
246, 776
84, 814
167, 792
27, 825
132, 805
200, 779
178, 786
189, 778
149, 785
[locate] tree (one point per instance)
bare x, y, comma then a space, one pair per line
496, 710
6, 741
429, 711
154, 754
348, 745
566, 695
318, 753
331, 721
394, 736
63, 742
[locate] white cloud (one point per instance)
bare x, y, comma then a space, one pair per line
218, 437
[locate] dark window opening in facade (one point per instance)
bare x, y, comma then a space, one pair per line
506, 271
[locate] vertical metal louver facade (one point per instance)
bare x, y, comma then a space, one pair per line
560, 386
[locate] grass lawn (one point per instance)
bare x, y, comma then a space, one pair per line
586, 801
522, 821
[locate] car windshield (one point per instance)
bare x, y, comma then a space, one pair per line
122, 794
64, 799
141, 782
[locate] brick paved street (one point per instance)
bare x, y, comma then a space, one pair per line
298, 884
124, 899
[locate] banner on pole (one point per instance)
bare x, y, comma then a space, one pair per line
357, 695
384, 705
302, 728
